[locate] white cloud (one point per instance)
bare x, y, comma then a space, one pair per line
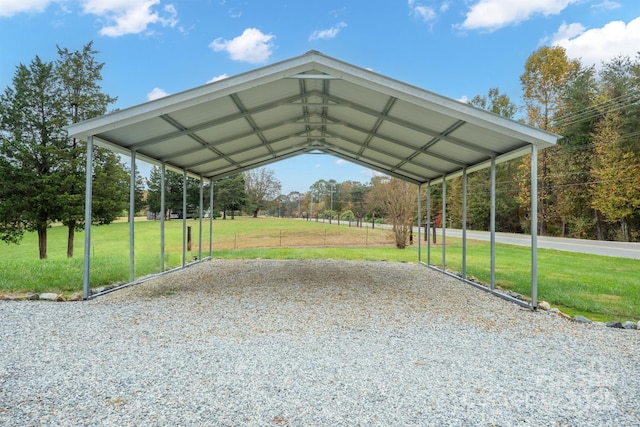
156, 93
598, 45
234, 13
329, 33
607, 5
494, 14
251, 46
217, 78
370, 173
341, 162
130, 16
425, 13
13, 7
464, 98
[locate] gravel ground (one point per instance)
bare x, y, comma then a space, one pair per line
310, 343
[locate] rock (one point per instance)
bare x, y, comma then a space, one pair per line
49, 296
564, 315
76, 296
554, 310
472, 279
614, 324
638, 327
514, 295
629, 325
61, 298
581, 319
543, 305
32, 297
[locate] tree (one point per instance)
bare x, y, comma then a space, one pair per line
546, 74
293, 204
570, 168
33, 144
173, 192
358, 199
11, 202
262, 187
479, 183
616, 171
398, 199
616, 165
230, 194
79, 75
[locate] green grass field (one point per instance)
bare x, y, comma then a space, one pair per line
601, 288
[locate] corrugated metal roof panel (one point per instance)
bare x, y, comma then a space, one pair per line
313, 102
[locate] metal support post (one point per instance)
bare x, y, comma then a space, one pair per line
534, 226
132, 217
464, 223
201, 206
87, 219
184, 217
428, 222
492, 223
444, 221
419, 222
211, 218
163, 209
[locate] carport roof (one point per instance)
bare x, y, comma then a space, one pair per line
313, 104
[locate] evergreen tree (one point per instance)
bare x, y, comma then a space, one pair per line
33, 145
79, 76
230, 195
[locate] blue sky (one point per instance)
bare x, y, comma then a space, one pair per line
455, 48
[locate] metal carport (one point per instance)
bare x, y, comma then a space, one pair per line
315, 104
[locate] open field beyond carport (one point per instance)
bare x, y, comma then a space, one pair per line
599, 287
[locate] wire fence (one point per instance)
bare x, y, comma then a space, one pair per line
325, 235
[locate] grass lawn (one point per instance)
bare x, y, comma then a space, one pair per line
598, 287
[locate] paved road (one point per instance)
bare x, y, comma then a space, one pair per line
597, 247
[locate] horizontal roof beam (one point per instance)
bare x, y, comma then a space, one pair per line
410, 125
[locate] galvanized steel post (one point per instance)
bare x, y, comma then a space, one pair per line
428, 223
163, 210
444, 221
184, 217
534, 226
132, 217
88, 195
419, 222
201, 206
464, 223
492, 223
211, 218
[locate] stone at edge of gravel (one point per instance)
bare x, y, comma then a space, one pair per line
629, 325
543, 305
581, 319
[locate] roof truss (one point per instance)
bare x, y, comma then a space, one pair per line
313, 104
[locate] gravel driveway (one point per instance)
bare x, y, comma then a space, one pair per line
310, 343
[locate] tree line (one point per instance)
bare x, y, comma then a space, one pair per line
589, 183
